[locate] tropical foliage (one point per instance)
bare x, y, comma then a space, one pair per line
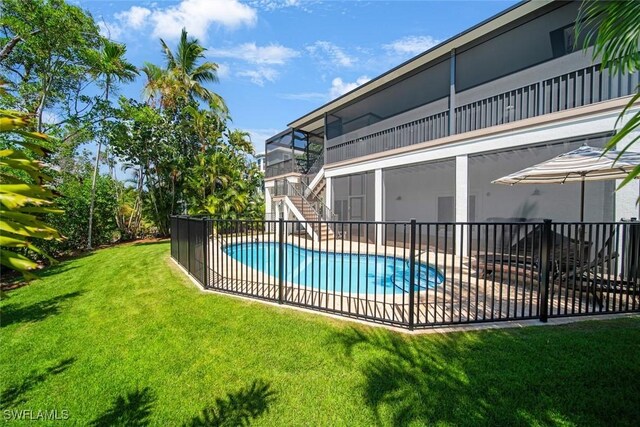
613, 29
179, 145
76, 189
46, 59
223, 184
24, 198
182, 80
171, 152
112, 65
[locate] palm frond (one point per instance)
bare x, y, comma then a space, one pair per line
168, 55
613, 28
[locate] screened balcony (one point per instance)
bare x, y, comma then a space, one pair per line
293, 151
526, 68
543, 89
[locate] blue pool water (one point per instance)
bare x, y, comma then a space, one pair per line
347, 273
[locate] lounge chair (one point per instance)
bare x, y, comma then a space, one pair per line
522, 259
603, 277
572, 266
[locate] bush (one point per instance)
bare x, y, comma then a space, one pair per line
74, 224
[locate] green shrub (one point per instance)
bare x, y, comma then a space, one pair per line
74, 224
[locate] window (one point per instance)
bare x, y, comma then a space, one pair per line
563, 40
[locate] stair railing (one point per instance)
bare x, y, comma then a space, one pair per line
319, 206
316, 227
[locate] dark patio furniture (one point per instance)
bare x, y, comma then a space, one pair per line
524, 255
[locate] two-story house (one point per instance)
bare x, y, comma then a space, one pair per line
425, 139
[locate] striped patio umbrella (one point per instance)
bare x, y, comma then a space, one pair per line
583, 164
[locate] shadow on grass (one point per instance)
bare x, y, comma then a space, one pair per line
133, 409
239, 408
551, 375
12, 280
64, 263
153, 242
15, 395
55, 269
14, 313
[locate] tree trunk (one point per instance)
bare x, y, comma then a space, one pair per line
95, 177
152, 195
8, 48
93, 193
40, 108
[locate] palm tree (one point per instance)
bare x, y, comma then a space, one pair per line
207, 125
158, 88
184, 77
613, 28
111, 64
241, 140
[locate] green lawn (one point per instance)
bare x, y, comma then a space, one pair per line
122, 337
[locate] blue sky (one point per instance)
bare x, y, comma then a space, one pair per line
281, 59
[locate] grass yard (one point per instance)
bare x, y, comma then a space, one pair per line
122, 337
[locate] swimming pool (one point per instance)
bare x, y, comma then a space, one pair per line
335, 272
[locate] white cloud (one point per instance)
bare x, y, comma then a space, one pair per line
410, 45
305, 96
275, 4
260, 75
198, 15
134, 18
250, 52
224, 70
330, 54
194, 15
110, 31
340, 87
264, 58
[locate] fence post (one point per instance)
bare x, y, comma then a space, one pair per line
412, 272
205, 258
280, 258
545, 267
189, 245
177, 240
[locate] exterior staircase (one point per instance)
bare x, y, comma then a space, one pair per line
317, 192
305, 200
319, 231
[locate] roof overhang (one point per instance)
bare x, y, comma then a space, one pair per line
315, 119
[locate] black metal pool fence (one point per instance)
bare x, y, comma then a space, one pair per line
417, 274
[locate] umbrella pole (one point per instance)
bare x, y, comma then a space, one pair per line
582, 200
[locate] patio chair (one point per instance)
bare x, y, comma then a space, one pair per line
601, 274
521, 260
572, 266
